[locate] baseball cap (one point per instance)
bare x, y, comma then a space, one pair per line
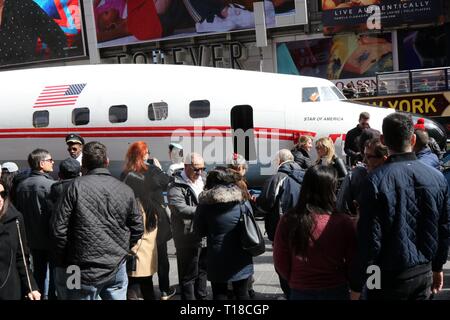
74, 138
10, 167
175, 145
69, 168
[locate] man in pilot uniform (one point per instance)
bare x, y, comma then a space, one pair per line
75, 146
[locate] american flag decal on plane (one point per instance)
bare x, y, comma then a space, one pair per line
59, 96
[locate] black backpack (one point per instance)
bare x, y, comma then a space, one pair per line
287, 199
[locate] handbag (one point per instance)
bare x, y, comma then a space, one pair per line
252, 240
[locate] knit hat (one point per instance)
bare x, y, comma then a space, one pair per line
420, 125
69, 168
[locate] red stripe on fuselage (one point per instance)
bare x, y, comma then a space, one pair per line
128, 132
94, 129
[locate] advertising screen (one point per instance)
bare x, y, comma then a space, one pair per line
424, 48
40, 30
361, 15
338, 57
122, 22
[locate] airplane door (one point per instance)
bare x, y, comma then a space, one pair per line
243, 131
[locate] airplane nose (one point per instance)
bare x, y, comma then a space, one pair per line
435, 130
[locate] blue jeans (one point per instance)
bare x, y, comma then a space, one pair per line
114, 288
337, 293
43, 273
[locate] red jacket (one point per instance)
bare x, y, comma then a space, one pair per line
329, 257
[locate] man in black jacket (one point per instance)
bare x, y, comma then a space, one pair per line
156, 182
32, 199
404, 228
351, 146
69, 169
280, 194
183, 200
96, 224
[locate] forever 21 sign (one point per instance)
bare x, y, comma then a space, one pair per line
215, 55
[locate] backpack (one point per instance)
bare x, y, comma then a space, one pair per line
287, 198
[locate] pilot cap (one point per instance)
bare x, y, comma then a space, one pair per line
74, 138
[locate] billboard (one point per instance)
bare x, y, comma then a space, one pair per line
339, 57
40, 30
362, 15
122, 22
424, 48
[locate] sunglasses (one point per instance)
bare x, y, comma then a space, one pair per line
3, 194
198, 169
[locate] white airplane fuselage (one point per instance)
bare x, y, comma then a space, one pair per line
270, 105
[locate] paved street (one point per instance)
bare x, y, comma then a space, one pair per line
266, 280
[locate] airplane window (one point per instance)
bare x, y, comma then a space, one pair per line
328, 94
310, 94
199, 109
80, 116
339, 94
118, 114
40, 119
158, 111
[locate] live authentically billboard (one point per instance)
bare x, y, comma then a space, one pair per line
122, 22
40, 30
361, 15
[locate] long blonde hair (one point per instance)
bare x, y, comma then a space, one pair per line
328, 144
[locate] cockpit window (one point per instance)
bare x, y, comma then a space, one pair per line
328, 94
338, 93
316, 94
310, 94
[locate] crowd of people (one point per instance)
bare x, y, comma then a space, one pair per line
328, 222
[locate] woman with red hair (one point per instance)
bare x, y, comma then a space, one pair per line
143, 259
136, 158
148, 181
